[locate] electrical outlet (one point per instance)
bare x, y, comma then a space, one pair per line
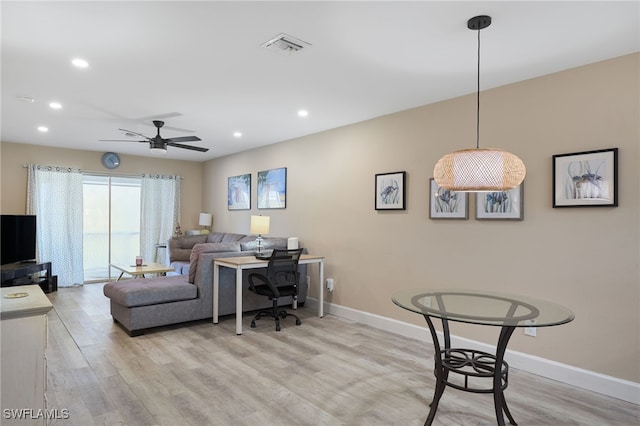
330, 284
530, 331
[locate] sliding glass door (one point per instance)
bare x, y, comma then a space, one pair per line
111, 217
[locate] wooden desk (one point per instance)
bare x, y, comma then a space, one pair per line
250, 262
147, 268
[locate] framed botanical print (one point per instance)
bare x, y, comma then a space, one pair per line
500, 205
446, 204
586, 179
390, 191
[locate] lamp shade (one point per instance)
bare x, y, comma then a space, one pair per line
479, 170
205, 219
260, 225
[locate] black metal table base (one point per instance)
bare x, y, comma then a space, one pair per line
470, 364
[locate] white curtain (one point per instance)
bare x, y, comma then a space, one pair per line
54, 195
159, 212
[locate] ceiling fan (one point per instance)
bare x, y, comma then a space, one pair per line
158, 142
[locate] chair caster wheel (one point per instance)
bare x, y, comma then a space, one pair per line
278, 328
253, 324
298, 322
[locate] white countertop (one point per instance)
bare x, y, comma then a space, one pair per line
34, 303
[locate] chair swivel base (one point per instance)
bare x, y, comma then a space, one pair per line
276, 316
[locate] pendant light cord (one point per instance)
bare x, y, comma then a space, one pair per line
478, 98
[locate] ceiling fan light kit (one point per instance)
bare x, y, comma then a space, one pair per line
479, 169
158, 146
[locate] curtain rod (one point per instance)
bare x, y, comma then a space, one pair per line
96, 173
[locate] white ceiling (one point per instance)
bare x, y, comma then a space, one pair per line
201, 65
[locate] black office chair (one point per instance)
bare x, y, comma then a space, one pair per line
282, 279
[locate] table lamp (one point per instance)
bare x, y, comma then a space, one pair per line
259, 226
205, 221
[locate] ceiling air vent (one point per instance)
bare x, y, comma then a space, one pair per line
285, 44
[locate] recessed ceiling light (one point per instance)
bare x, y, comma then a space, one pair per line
237, 134
80, 63
43, 129
55, 105
303, 113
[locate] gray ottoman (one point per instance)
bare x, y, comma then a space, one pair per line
139, 304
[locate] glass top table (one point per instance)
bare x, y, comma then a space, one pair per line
463, 368
483, 308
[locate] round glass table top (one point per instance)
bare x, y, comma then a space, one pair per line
483, 307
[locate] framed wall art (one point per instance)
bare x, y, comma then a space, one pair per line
272, 189
446, 204
586, 179
501, 205
239, 192
390, 191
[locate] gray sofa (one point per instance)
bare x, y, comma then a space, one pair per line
143, 303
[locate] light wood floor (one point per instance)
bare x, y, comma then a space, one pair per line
327, 371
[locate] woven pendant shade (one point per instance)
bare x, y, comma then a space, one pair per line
479, 170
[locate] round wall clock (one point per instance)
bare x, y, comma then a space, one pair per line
110, 160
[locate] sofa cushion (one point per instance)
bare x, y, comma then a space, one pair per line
180, 248
208, 248
215, 237
150, 291
180, 267
230, 237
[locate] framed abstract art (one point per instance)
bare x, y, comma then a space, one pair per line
272, 189
239, 192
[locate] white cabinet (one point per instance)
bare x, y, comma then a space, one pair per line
23, 334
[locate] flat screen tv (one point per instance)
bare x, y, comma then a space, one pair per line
18, 235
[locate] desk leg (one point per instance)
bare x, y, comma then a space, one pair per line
239, 301
121, 274
321, 288
216, 291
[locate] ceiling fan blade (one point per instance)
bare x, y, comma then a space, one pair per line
135, 133
193, 148
120, 140
179, 129
184, 139
159, 117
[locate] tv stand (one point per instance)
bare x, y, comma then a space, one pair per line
20, 274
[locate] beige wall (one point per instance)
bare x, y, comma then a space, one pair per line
586, 259
14, 176
583, 258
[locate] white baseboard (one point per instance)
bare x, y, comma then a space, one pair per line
578, 377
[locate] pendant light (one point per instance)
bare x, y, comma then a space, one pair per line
479, 169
